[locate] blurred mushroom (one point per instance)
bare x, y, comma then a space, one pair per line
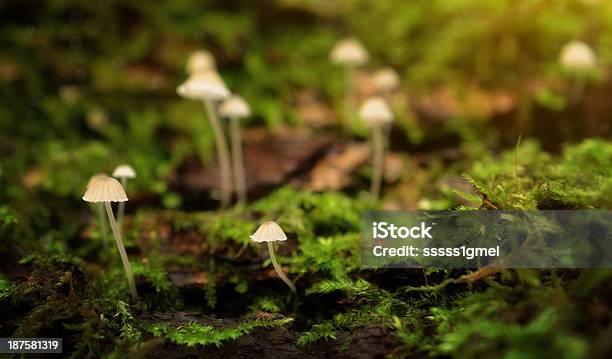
209, 88
271, 232
376, 114
123, 173
350, 54
577, 56
200, 61
235, 108
386, 80
106, 190
100, 208
579, 59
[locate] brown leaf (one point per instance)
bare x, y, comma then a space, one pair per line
333, 171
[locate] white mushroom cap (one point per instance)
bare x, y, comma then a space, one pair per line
234, 107
200, 61
349, 52
206, 85
269, 232
124, 170
94, 178
386, 79
577, 55
375, 111
105, 189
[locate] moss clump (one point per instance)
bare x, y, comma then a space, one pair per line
529, 320
308, 214
5, 287
528, 178
194, 333
365, 304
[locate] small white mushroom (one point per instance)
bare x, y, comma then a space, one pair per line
100, 208
123, 173
204, 86
235, 109
386, 80
200, 61
577, 56
106, 190
209, 88
271, 232
376, 114
350, 54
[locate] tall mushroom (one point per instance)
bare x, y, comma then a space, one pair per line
579, 59
209, 88
376, 114
271, 232
106, 190
350, 54
200, 61
100, 208
123, 173
235, 108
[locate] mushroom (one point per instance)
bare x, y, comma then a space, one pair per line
235, 108
386, 80
209, 88
200, 61
100, 208
578, 58
106, 190
123, 173
271, 232
351, 54
376, 114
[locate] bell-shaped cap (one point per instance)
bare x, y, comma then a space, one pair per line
269, 232
375, 111
105, 189
124, 171
234, 107
349, 52
576, 55
94, 178
206, 85
200, 61
386, 79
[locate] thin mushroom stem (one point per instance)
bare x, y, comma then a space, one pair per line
237, 161
378, 149
579, 87
349, 100
222, 154
102, 224
278, 269
122, 253
121, 207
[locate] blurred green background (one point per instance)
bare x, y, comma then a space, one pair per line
86, 85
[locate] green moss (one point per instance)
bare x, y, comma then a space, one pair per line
324, 331
194, 333
308, 213
528, 178
483, 324
333, 255
7, 218
365, 304
5, 287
